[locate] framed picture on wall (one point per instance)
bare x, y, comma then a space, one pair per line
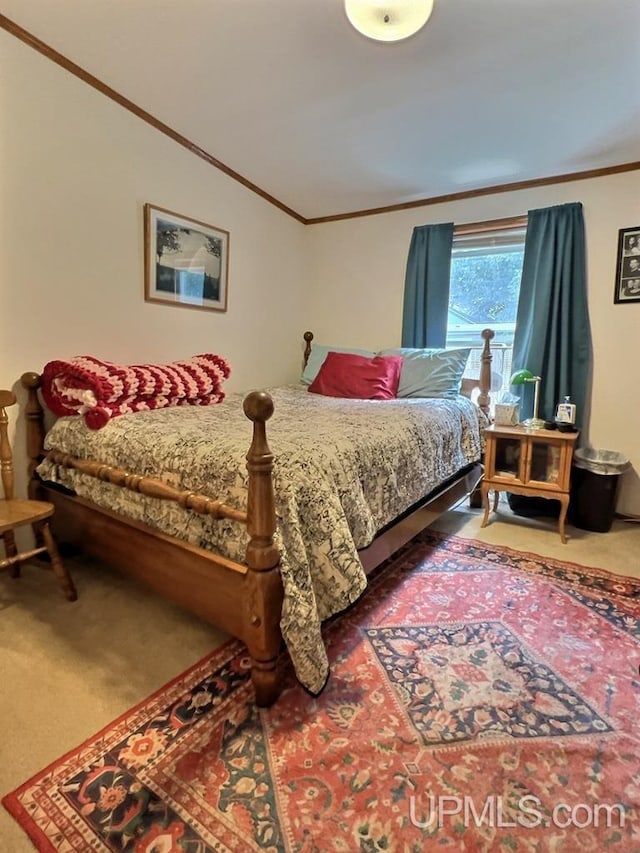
628, 267
186, 261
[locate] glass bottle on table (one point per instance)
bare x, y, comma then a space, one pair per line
566, 412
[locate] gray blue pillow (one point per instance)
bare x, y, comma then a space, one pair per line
430, 372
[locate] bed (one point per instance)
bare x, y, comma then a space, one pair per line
264, 551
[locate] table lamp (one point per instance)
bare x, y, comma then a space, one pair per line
523, 377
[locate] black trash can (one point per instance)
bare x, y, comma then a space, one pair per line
595, 478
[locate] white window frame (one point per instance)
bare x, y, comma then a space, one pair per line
473, 238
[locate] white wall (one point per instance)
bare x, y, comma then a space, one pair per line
75, 171
357, 274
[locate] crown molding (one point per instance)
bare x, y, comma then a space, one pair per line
493, 190
59, 59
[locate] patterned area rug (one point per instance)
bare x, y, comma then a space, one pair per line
480, 699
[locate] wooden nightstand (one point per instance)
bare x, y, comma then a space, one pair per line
528, 462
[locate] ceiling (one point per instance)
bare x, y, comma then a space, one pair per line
289, 96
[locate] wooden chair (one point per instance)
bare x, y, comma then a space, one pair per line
16, 513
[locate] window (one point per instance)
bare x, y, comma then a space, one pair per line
486, 269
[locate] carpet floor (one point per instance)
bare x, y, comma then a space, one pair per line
480, 698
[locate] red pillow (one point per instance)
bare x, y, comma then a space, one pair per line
358, 377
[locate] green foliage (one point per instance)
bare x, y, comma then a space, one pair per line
485, 288
167, 240
213, 245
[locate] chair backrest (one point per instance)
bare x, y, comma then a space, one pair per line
7, 398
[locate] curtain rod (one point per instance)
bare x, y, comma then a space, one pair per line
490, 225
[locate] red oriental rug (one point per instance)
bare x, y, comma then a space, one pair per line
480, 699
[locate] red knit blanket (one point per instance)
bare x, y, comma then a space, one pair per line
100, 390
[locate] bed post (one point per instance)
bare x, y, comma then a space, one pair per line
485, 370
263, 605
308, 337
484, 384
34, 414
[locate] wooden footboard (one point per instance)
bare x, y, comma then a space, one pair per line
244, 600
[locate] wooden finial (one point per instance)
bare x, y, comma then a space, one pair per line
31, 381
261, 506
308, 337
258, 406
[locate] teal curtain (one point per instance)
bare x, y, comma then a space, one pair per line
426, 286
553, 336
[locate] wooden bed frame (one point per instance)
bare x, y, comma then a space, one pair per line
244, 600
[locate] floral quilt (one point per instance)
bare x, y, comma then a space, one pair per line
343, 470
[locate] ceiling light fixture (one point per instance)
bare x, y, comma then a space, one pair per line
388, 20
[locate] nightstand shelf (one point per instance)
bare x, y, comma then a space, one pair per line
528, 462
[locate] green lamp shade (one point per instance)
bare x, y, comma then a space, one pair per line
522, 376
